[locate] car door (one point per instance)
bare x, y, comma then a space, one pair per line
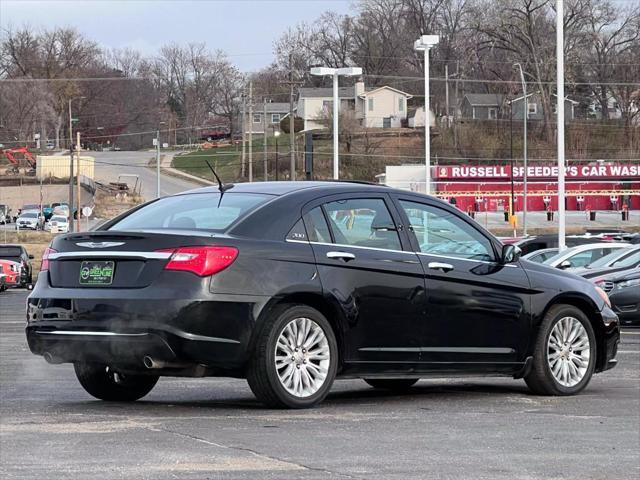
477, 309
368, 271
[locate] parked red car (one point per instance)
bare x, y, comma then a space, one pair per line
11, 271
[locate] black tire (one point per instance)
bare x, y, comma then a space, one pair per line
540, 379
262, 375
393, 384
104, 383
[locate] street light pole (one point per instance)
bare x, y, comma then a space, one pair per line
276, 134
70, 166
336, 72
560, 120
71, 169
336, 132
525, 116
425, 42
158, 163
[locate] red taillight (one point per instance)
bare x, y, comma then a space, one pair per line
202, 261
45, 258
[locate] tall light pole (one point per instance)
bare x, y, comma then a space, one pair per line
158, 194
336, 72
425, 43
276, 134
560, 120
71, 160
525, 116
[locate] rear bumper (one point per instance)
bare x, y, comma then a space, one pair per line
608, 348
122, 326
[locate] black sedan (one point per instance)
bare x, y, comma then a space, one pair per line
623, 287
292, 284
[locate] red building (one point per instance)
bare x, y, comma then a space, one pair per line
588, 186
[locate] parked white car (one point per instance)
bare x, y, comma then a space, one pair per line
583, 255
30, 219
57, 224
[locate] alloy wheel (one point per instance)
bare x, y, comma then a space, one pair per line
568, 351
302, 357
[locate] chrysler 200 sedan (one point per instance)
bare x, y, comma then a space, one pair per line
291, 285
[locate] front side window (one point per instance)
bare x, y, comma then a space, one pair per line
628, 261
440, 232
363, 222
582, 259
197, 211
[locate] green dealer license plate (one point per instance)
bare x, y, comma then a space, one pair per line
96, 273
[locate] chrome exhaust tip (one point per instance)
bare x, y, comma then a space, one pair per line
150, 362
51, 359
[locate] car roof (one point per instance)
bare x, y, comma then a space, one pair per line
283, 188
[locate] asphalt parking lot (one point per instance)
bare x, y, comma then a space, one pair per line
481, 428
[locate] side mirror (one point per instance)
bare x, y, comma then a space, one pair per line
510, 254
564, 265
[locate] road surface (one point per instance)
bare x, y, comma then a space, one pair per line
460, 428
108, 165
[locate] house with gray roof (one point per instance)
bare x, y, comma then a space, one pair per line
482, 106
380, 107
534, 107
257, 123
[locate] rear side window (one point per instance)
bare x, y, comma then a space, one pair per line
363, 222
317, 228
197, 211
9, 252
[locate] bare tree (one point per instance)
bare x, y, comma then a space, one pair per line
610, 34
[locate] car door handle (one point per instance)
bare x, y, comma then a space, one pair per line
346, 256
445, 267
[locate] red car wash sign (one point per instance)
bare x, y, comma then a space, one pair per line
537, 171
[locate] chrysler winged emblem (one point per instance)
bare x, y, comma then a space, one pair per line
99, 244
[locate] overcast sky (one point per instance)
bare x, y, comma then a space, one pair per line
244, 29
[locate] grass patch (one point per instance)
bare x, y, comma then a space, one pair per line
227, 161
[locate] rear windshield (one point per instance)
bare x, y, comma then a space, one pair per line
198, 211
29, 215
9, 252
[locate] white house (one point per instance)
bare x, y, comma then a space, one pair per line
382, 107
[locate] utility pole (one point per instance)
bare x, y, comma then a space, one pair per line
158, 194
243, 126
250, 131
446, 91
512, 207
78, 181
455, 111
70, 166
526, 117
292, 133
264, 123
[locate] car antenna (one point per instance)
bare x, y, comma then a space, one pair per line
221, 186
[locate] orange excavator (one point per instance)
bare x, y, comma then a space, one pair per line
15, 162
